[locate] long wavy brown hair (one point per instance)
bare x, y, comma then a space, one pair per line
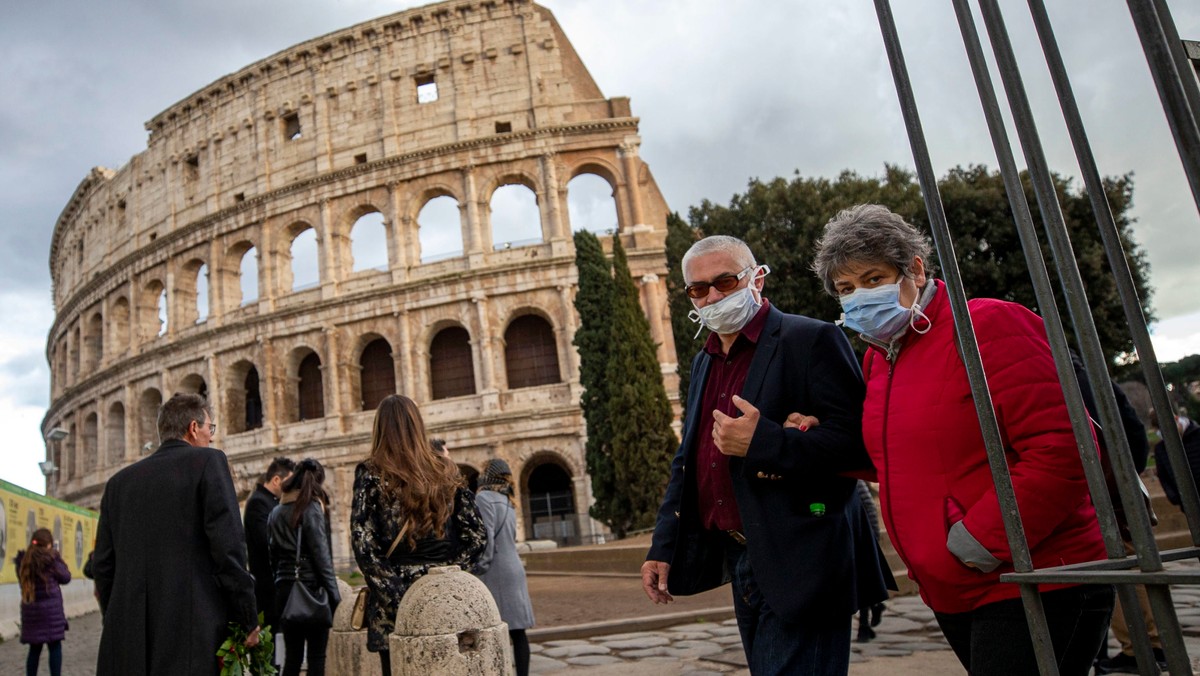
422, 482
35, 564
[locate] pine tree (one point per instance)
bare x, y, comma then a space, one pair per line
639, 415
593, 302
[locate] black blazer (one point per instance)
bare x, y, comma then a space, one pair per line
258, 509
811, 569
170, 564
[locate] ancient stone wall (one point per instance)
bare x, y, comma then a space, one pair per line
445, 106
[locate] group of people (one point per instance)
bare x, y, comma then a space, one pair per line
174, 564
780, 421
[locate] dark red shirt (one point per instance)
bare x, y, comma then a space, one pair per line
726, 375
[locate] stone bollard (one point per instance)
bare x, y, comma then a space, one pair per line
448, 624
347, 652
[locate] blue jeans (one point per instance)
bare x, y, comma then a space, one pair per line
775, 645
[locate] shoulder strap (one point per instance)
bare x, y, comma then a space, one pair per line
396, 542
299, 533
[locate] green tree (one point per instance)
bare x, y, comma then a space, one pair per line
593, 302
1182, 377
680, 237
630, 442
781, 221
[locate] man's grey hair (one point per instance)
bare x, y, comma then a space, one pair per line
868, 233
176, 415
738, 250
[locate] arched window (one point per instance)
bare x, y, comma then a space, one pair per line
311, 394
248, 276
70, 454
306, 272
551, 504
93, 342
451, 365
378, 373
194, 384
202, 294
439, 229
530, 353
368, 243
114, 434
590, 204
148, 405
118, 325
515, 218
254, 404
91, 434
76, 349
162, 313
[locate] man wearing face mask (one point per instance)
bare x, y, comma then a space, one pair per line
757, 504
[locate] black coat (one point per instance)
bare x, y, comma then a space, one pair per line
170, 564
1166, 473
258, 509
316, 558
811, 569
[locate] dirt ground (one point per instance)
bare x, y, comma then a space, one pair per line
567, 599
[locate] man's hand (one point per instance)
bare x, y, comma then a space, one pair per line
654, 581
801, 422
733, 435
252, 637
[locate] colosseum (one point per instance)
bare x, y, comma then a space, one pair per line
386, 208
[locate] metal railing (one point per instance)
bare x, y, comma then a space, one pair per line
1177, 89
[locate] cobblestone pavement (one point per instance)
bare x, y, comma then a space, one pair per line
908, 642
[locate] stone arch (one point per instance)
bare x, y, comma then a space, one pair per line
298, 258
93, 342
191, 291
530, 351
243, 401
76, 351
147, 417
114, 434
305, 398
514, 213
194, 383
369, 233
91, 442
439, 224
71, 453
451, 362
548, 500
238, 277
592, 203
152, 310
376, 371
118, 326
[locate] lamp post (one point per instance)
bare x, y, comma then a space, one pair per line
50, 466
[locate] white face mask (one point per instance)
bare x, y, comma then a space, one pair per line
733, 312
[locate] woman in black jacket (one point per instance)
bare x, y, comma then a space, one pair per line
302, 514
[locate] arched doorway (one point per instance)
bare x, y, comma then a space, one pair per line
549, 494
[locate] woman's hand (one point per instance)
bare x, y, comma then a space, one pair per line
799, 421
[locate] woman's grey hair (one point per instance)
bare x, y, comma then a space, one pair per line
177, 414
736, 248
868, 233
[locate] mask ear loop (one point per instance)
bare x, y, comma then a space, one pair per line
695, 317
912, 320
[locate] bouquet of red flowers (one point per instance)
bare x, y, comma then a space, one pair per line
238, 659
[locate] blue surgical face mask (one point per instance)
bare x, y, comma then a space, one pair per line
877, 313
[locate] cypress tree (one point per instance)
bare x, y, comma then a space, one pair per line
639, 415
680, 238
593, 302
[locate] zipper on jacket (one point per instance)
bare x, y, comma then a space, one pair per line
887, 404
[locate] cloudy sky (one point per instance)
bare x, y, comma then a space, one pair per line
726, 91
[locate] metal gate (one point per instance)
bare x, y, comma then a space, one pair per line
1168, 58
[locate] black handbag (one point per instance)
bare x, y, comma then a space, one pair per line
305, 607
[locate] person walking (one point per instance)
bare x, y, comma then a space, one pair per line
500, 567
258, 510
301, 553
41, 572
170, 558
410, 513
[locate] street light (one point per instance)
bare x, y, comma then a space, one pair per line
57, 434
48, 467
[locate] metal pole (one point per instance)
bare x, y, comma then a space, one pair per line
1180, 116
1085, 443
1117, 261
1138, 520
968, 348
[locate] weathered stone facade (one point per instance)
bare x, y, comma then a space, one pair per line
449, 100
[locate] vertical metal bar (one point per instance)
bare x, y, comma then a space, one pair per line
1117, 261
1180, 116
1191, 91
1085, 444
1093, 357
969, 349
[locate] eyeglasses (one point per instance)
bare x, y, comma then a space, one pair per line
212, 427
724, 283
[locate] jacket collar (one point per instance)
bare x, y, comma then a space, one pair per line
289, 497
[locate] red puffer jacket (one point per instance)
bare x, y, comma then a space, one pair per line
922, 433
